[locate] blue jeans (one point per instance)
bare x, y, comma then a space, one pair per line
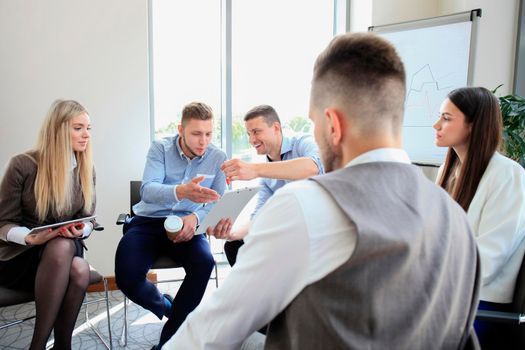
144, 240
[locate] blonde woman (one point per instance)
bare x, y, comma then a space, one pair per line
52, 183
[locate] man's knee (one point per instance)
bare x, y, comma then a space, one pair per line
209, 261
127, 275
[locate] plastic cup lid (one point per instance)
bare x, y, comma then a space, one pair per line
173, 223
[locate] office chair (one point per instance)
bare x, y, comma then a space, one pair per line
163, 262
469, 340
514, 320
11, 297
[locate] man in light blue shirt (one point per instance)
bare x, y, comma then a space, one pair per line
182, 173
289, 158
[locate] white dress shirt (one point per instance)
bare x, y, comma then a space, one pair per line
497, 217
299, 236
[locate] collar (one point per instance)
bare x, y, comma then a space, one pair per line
73, 161
286, 146
397, 155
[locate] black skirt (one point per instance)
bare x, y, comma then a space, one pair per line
20, 271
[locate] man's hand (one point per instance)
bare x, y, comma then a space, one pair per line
195, 192
222, 230
188, 230
237, 169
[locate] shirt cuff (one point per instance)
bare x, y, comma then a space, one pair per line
18, 234
198, 219
175, 193
88, 228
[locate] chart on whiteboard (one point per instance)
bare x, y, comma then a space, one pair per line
436, 62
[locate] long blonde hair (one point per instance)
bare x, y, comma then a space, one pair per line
54, 183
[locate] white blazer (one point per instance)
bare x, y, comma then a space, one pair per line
497, 217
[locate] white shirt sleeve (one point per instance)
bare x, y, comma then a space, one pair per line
88, 228
18, 234
291, 243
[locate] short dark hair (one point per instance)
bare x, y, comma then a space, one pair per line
196, 110
365, 75
267, 112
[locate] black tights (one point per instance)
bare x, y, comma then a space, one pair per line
60, 285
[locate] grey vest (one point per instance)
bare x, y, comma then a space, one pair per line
411, 282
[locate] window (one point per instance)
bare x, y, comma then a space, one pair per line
185, 53
274, 46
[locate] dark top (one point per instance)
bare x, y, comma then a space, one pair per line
18, 203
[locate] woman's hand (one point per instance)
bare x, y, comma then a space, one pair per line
72, 230
66, 231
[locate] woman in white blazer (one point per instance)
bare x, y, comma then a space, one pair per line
489, 187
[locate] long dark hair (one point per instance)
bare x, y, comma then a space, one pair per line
482, 112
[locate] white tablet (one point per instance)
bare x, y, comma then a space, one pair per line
229, 206
58, 224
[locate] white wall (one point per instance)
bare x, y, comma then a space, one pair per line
360, 15
395, 11
95, 52
496, 35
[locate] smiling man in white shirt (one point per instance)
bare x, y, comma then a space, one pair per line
370, 255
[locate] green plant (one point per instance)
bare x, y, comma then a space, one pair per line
299, 124
239, 135
513, 113
170, 129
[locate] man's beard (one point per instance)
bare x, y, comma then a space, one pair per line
330, 158
189, 148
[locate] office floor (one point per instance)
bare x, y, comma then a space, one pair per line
144, 327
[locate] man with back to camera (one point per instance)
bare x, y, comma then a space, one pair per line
289, 158
180, 174
371, 255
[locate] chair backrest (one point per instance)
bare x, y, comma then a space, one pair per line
518, 300
10, 297
469, 340
134, 194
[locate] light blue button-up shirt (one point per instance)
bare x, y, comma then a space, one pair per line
291, 148
166, 167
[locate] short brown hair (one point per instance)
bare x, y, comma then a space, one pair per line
363, 73
267, 112
196, 110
